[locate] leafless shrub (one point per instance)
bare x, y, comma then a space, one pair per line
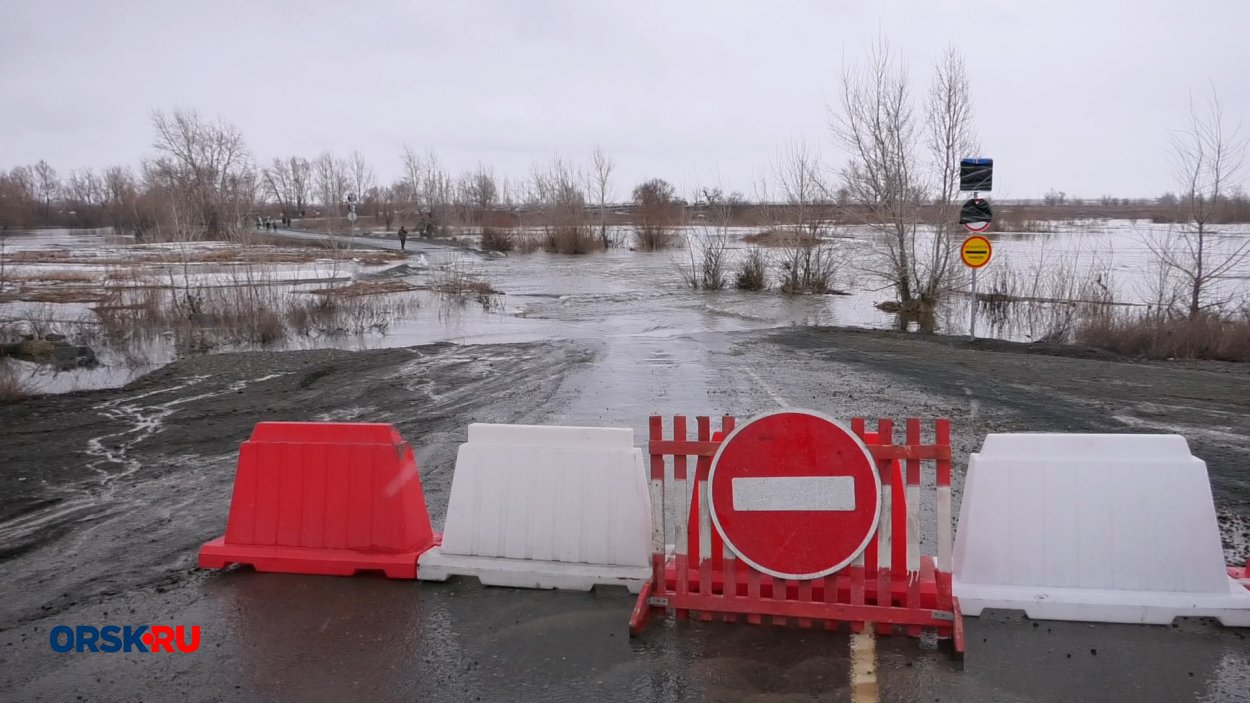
657, 213
12, 385
753, 272
570, 239
457, 279
495, 239
6, 270
705, 265
809, 266
528, 243
556, 197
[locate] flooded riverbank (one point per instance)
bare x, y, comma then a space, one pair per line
75, 282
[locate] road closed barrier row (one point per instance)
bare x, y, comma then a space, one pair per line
790, 517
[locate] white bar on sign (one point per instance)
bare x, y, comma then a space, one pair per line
795, 493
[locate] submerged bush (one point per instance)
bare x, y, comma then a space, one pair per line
753, 273
495, 239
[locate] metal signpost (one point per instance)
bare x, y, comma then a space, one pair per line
975, 175
975, 253
351, 217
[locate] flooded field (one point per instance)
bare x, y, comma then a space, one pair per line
71, 280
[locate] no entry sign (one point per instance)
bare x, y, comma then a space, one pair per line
794, 494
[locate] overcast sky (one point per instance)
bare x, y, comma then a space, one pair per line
1077, 95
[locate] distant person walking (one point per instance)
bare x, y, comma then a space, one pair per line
403, 238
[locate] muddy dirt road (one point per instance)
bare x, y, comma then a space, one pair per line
108, 494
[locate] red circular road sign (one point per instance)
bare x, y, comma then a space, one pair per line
794, 494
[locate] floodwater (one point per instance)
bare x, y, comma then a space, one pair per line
630, 296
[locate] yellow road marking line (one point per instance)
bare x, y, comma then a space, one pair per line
864, 666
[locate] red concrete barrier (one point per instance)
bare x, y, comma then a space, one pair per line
325, 498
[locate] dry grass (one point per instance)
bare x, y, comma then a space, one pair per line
779, 238
200, 319
361, 288
1021, 219
1164, 336
53, 277
66, 294
246, 254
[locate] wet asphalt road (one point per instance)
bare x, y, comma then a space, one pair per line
128, 556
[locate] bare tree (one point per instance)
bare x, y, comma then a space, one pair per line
301, 182
385, 201
437, 190
360, 178
885, 179
951, 138
557, 198
876, 126
206, 167
330, 182
413, 175
708, 246
276, 181
478, 193
47, 186
797, 174
1207, 159
17, 194
601, 190
84, 195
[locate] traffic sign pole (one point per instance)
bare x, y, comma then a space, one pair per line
972, 325
975, 252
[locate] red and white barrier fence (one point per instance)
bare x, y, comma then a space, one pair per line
792, 516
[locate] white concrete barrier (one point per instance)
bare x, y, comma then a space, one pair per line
1105, 528
546, 507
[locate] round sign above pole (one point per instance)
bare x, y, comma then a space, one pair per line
975, 215
976, 251
794, 494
